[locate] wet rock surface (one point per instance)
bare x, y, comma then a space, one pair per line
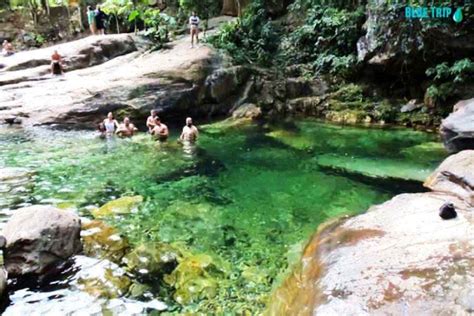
457, 130
39, 239
399, 257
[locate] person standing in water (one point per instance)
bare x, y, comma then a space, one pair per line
150, 121
126, 129
100, 18
91, 19
160, 131
110, 125
190, 132
194, 27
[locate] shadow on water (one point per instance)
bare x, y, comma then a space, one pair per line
390, 185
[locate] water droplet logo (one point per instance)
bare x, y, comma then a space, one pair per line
457, 17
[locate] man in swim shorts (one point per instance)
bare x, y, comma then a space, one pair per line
160, 131
190, 132
126, 129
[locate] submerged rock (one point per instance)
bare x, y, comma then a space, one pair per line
457, 130
399, 257
195, 278
102, 278
152, 259
120, 206
39, 239
103, 241
455, 176
379, 168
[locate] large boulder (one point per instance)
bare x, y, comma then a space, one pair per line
40, 238
398, 258
387, 46
225, 82
457, 130
101, 78
455, 176
86, 52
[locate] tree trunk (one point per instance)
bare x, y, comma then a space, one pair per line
234, 7
229, 7
117, 24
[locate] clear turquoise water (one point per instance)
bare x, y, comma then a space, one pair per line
247, 196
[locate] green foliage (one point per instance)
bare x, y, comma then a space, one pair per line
251, 39
136, 15
158, 26
446, 79
204, 8
326, 40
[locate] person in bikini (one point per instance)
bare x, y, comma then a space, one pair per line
110, 125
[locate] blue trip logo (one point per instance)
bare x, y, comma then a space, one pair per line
433, 13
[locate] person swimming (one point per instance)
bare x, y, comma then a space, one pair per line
160, 131
110, 124
190, 132
126, 129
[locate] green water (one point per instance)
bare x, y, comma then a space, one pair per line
247, 196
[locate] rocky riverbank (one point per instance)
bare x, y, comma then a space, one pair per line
398, 257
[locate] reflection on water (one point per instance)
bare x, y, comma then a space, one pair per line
247, 198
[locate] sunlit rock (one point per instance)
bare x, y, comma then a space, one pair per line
455, 175
39, 239
457, 130
399, 256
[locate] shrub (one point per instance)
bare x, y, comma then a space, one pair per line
250, 39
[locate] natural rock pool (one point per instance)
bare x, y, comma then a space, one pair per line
210, 229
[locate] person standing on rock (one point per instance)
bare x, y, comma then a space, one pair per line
150, 121
91, 19
126, 129
194, 27
56, 64
160, 131
100, 18
110, 125
190, 132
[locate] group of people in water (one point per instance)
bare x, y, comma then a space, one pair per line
156, 128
